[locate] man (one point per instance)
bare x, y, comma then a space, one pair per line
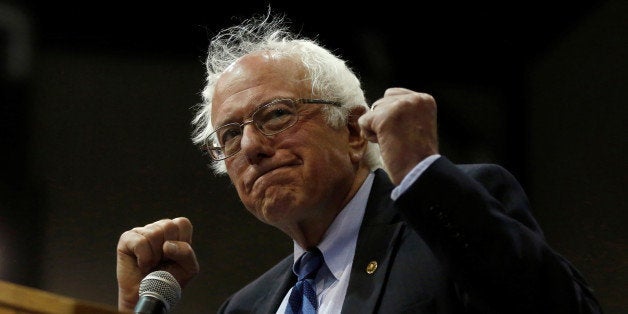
288, 123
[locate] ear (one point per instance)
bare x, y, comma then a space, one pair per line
357, 143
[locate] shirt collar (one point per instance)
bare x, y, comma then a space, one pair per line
339, 241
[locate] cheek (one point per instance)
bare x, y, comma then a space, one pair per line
235, 166
324, 166
329, 154
235, 170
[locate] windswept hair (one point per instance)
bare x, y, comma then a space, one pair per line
330, 77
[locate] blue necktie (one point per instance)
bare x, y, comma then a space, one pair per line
303, 296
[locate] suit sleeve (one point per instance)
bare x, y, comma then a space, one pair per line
478, 222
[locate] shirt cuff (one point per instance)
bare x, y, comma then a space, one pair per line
412, 176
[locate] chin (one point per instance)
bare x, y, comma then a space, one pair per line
278, 211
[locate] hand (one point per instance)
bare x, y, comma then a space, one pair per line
403, 122
162, 245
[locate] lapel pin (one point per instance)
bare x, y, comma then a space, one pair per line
371, 267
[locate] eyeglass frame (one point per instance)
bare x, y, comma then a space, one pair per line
210, 148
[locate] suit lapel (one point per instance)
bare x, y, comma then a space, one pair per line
376, 241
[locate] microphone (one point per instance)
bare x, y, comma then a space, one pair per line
159, 293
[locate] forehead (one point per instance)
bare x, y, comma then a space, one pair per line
255, 79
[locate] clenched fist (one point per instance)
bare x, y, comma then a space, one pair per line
162, 245
403, 122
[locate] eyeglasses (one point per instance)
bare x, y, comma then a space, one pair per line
271, 118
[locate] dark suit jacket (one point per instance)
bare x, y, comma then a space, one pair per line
461, 240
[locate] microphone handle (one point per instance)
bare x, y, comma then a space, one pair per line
149, 305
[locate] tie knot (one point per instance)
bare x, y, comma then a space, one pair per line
308, 264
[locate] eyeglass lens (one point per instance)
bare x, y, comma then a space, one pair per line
269, 119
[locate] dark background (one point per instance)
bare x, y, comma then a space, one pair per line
97, 97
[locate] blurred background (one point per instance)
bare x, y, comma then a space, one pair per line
97, 98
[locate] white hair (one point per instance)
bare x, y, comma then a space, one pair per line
330, 77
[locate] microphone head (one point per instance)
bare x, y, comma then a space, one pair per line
163, 286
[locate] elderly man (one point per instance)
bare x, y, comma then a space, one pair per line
287, 121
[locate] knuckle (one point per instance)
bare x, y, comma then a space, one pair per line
416, 98
169, 226
163, 223
427, 99
143, 232
125, 236
141, 245
183, 220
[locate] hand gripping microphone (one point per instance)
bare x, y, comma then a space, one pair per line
159, 293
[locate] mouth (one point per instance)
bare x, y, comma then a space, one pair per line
261, 173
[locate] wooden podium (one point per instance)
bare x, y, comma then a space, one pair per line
16, 299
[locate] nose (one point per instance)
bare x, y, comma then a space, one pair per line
255, 145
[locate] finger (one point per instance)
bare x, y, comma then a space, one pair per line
182, 254
185, 229
154, 234
366, 128
387, 100
168, 229
395, 91
379, 102
136, 246
185, 262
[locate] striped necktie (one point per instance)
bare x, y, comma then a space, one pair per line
303, 296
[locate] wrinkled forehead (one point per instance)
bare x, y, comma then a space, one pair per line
255, 79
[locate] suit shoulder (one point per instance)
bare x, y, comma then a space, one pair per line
483, 168
260, 291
